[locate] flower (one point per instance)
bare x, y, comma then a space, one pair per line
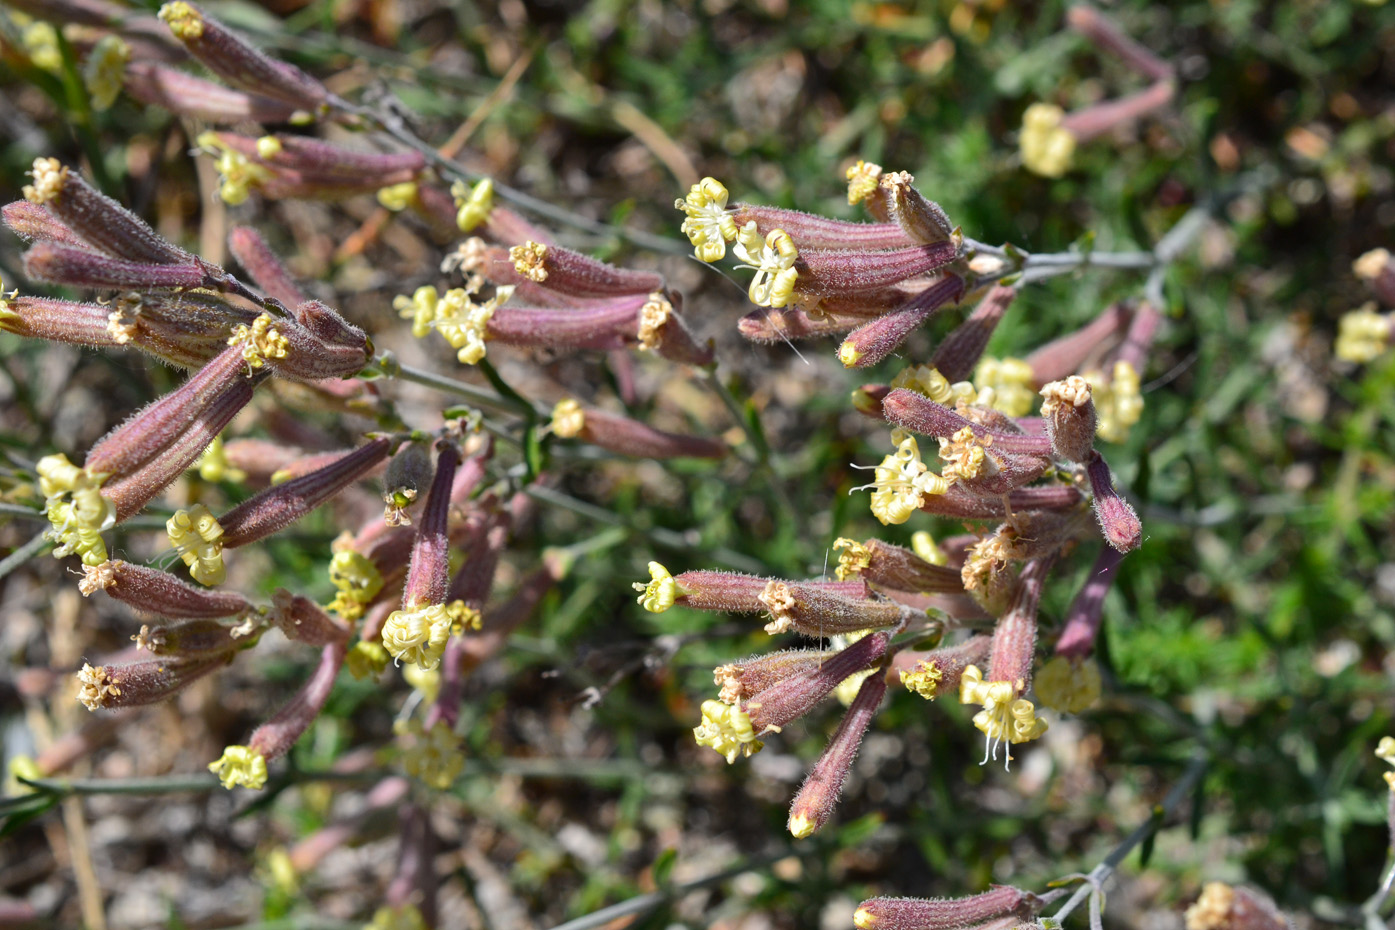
728, 730
240, 765
473, 205
1118, 400
398, 197
863, 181
76, 510
420, 308
1362, 334
772, 258
924, 679
709, 227
963, 454
1047, 148
659, 594
432, 755
366, 659
853, 560
1004, 718
197, 537
104, 70
1068, 685
259, 342
419, 635
1385, 750
1006, 385
901, 483
463, 322
357, 581
926, 380
237, 173
568, 418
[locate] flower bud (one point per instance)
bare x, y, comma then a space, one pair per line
131, 493
1070, 418
156, 592
152, 430
944, 913
281, 505
1082, 621
320, 344
810, 231
891, 566
922, 220
831, 272
960, 351
579, 275
156, 84
64, 321
1118, 522
1107, 37
78, 267
661, 328
231, 58
139, 683
1100, 118
629, 437
815, 611
821, 791
303, 621
878, 339
32, 221
939, 671
1067, 354
729, 592
100, 220
785, 701
864, 187
264, 267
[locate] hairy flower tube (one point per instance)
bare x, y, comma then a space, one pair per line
727, 729
816, 799
945, 913
153, 591
150, 681
625, 436
709, 227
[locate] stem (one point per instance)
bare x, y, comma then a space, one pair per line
24, 553
1100, 873
478, 397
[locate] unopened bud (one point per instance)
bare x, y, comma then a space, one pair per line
629, 437
155, 84
579, 275
747, 678
816, 800
195, 639
944, 913
790, 698
811, 231
728, 592
1015, 635
958, 354
234, 60
1107, 37
278, 507
877, 340
833, 272
78, 267
1082, 621
1120, 525
428, 578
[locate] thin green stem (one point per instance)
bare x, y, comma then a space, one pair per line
1101, 873
24, 553
478, 397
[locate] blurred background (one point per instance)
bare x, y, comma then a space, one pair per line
1254, 625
